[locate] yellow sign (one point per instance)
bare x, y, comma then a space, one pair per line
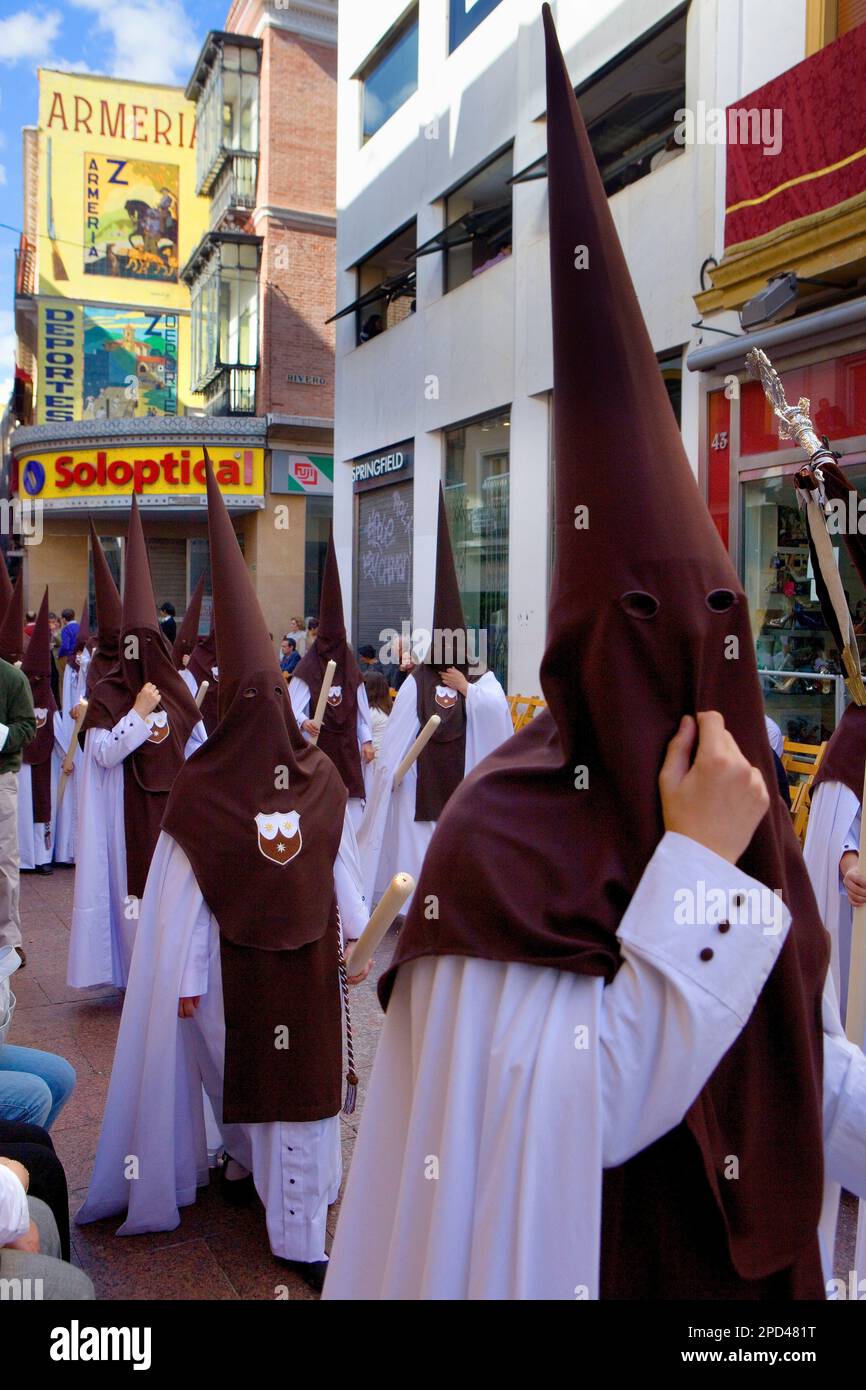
118, 211
150, 470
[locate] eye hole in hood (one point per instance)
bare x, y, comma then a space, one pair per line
639, 604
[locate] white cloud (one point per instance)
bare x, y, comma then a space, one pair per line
151, 40
28, 37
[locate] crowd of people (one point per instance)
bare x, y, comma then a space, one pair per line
613, 1062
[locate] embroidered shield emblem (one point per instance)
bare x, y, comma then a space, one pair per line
279, 835
157, 722
335, 696
41, 717
446, 699
215, 672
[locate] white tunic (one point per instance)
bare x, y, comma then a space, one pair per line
834, 826
103, 917
66, 818
35, 847
390, 839
491, 1114
154, 1105
299, 694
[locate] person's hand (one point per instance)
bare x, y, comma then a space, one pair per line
29, 1243
347, 954
185, 658
368, 752
455, 680
853, 881
186, 1007
146, 700
720, 800
74, 712
310, 726
19, 1170
406, 662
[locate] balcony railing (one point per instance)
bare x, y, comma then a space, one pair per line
231, 391
235, 186
25, 268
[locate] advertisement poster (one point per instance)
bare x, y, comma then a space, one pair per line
131, 218
130, 363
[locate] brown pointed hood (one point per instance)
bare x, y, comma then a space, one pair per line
108, 615
36, 665
187, 635
259, 814
143, 656
442, 764
12, 624
338, 737
539, 852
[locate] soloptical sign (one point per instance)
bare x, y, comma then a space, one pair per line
107, 476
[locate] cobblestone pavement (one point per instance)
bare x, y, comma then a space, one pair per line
217, 1251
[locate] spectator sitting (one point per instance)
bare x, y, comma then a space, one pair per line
289, 655
368, 661
34, 1085
379, 697
30, 1242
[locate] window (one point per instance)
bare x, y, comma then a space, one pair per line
225, 86
478, 217
386, 287
391, 75
223, 277
476, 499
630, 108
464, 16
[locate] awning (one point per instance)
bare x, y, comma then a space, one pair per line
396, 287
491, 223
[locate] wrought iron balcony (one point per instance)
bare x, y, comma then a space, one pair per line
230, 391
235, 186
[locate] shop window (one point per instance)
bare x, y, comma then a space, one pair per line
478, 217
476, 498
799, 665
225, 87
223, 278
464, 16
836, 389
319, 512
390, 77
386, 287
630, 108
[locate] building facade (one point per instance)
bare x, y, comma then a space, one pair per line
185, 311
444, 367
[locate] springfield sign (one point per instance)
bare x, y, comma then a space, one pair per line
108, 476
376, 469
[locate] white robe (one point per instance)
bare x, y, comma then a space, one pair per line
390, 839
34, 847
154, 1106
490, 1115
834, 825
103, 917
66, 818
299, 694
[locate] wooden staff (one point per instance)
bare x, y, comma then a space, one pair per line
377, 928
417, 748
201, 692
855, 1007
69, 758
330, 672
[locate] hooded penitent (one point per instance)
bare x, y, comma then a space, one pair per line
12, 625
259, 814
645, 612
108, 616
143, 656
203, 666
36, 665
339, 733
187, 635
443, 762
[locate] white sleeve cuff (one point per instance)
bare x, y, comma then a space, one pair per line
4, 734
14, 1211
699, 916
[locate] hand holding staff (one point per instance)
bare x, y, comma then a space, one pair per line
417, 748
69, 760
360, 955
201, 692
330, 672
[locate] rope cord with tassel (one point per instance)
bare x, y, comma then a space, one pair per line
351, 1074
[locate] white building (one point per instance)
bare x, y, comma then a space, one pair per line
441, 105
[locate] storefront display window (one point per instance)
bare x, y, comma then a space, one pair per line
836, 390
797, 658
476, 498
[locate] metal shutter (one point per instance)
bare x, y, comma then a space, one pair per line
383, 581
168, 569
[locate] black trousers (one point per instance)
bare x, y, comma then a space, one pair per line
32, 1146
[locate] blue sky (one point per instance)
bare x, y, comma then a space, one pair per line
149, 40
